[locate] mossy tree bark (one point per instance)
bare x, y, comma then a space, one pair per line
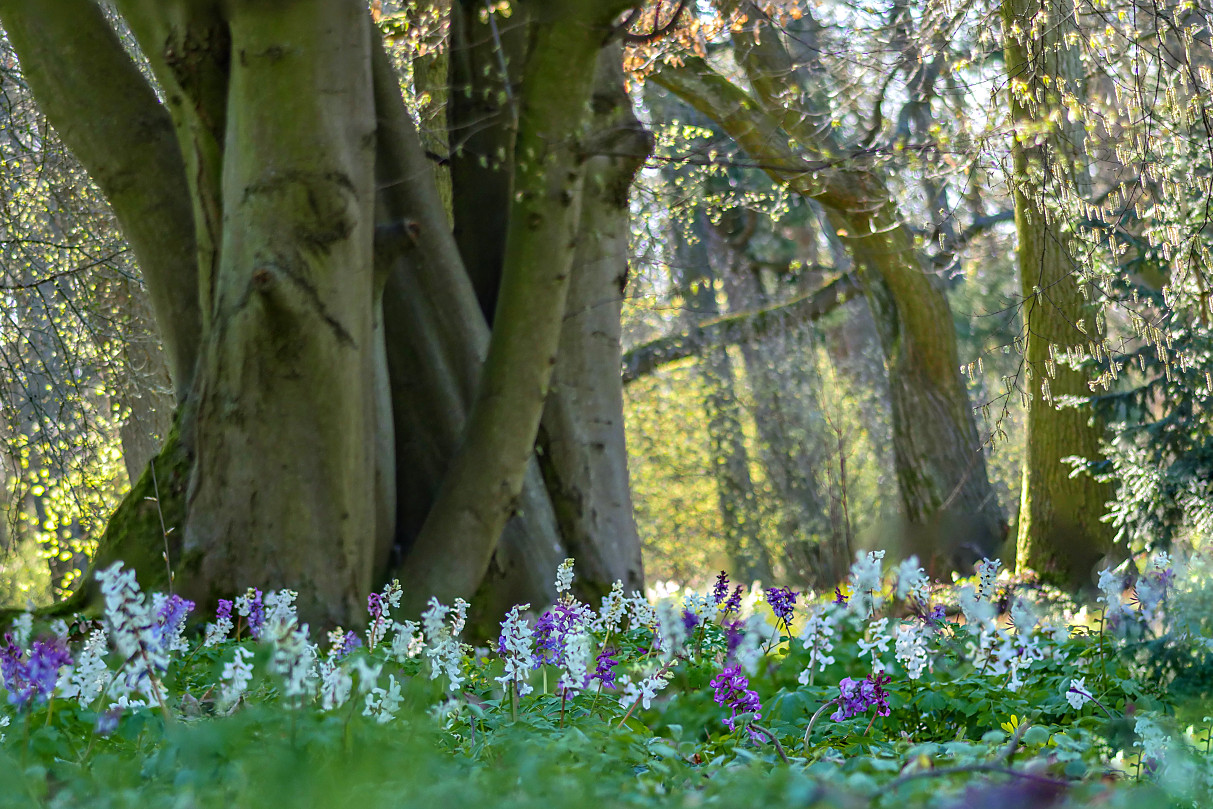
1060, 533
326, 330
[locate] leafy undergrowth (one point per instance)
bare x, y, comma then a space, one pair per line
894, 692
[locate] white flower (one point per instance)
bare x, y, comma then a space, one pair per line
383, 703
1077, 694
407, 642
564, 576
1023, 615
642, 613
644, 691
389, 599
132, 627
279, 611
368, 674
443, 648
672, 633
23, 627
816, 638
237, 674
912, 582
4, 720
878, 644
1110, 586
60, 628
987, 573
87, 677
517, 646
293, 659
335, 685
911, 650
614, 606
865, 583
217, 632
978, 613
1151, 739
578, 650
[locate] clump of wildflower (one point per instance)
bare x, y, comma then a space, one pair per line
1152, 586
517, 650
171, 613
720, 590
783, 603
555, 626
407, 643
864, 582
564, 576
250, 607
133, 629
672, 632
32, 680
383, 703
855, 697
642, 612
731, 689
294, 656
912, 583
733, 605
336, 683
987, 577
442, 645
87, 677
279, 612
380, 606
342, 643
817, 637
614, 607
217, 632
578, 651
237, 674
910, 649
1110, 587
644, 691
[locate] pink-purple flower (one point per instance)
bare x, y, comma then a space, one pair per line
732, 690
857, 696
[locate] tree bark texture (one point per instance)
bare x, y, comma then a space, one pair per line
1060, 532
345, 413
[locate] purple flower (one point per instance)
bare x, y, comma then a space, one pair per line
349, 643
857, 696
605, 672
374, 605
783, 602
224, 610
732, 690
935, 615
733, 605
33, 680
689, 620
553, 627
839, 598
107, 722
733, 634
720, 591
170, 619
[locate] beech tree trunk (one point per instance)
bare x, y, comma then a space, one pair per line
345, 413
1060, 532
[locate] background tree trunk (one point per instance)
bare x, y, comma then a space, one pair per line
1060, 532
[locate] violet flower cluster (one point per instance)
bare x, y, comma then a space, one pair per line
783, 602
732, 689
32, 679
857, 696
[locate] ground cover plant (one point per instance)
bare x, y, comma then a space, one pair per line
892, 690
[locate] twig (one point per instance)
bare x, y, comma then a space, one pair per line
163, 530
774, 741
813, 721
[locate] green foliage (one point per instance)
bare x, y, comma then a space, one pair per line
996, 715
